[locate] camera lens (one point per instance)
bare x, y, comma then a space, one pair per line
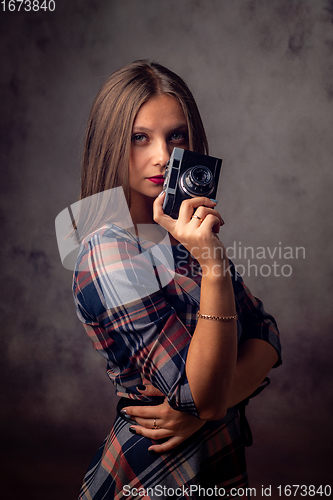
201, 176
198, 181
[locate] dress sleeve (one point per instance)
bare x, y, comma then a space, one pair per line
120, 300
256, 322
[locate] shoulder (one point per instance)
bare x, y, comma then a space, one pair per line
108, 233
109, 238
102, 252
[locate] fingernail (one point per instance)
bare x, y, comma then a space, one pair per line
124, 414
132, 430
223, 222
212, 199
141, 387
162, 192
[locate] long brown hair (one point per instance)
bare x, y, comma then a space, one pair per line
105, 163
108, 139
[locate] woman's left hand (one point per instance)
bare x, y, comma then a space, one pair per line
172, 424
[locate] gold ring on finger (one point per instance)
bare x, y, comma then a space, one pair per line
197, 217
155, 426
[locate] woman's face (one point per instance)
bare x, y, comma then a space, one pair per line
159, 126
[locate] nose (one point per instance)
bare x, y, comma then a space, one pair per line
161, 153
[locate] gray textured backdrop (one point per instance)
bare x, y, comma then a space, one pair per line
262, 74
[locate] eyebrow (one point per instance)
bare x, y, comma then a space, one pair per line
180, 126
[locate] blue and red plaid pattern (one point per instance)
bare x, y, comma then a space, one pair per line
146, 339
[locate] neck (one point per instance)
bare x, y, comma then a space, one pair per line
141, 209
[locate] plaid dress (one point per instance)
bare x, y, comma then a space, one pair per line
140, 314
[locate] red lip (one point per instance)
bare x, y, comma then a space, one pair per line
157, 179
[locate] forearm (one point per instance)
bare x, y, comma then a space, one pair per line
212, 355
255, 360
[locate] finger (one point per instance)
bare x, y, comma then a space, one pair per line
158, 202
188, 206
167, 445
154, 434
211, 223
143, 411
149, 423
149, 390
202, 212
185, 212
160, 217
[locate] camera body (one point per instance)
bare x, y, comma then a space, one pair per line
187, 175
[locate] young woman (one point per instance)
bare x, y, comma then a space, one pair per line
183, 356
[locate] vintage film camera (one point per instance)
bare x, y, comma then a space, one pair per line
187, 175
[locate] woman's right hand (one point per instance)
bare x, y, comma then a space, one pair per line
172, 426
196, 228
